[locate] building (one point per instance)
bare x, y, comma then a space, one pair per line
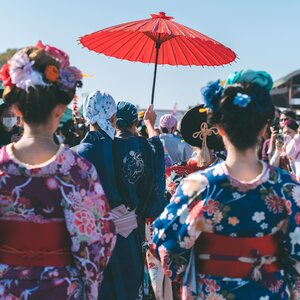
286, 91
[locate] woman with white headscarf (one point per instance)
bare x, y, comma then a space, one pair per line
99, 110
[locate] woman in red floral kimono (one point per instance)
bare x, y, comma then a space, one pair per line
56, 232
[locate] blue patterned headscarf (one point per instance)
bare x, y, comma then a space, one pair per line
261, 78
126, 114
98, 108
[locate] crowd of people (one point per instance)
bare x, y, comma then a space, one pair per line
110, 207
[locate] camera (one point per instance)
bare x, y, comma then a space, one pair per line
280, 139
276, 125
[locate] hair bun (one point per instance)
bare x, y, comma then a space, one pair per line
262, 78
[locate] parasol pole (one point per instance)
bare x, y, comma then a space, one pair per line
158, 44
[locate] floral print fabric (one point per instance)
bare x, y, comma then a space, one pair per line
177, 172
213, 201
66, 188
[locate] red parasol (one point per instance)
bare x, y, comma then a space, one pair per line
158, 40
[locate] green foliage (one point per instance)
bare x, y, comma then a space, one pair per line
5, 56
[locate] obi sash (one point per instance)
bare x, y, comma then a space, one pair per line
233, 257
34, 244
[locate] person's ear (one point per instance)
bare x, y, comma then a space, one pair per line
220, 131
17, 111
59, 110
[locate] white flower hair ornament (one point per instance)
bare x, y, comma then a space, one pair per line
20, 71
22, 74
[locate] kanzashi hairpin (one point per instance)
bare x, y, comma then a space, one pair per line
241, 100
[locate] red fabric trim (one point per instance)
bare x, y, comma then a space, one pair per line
34, 244
227, 250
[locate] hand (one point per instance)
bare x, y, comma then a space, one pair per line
279, 146
273, 136
150, 115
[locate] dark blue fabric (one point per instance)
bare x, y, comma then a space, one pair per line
140, 173
159, 201
124, 274
119, 165
96, 147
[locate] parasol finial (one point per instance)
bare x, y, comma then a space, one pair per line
161, 15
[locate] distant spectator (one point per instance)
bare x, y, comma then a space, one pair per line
293, 152
141, 127
265, 145
74, 131
178, 149
280, 158
287, 115
9, 130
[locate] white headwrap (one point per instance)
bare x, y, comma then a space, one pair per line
98, 108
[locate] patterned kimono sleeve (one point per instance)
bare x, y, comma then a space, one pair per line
176, 230
92, 230
291, 192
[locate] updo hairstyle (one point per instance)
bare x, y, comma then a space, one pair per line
242, 125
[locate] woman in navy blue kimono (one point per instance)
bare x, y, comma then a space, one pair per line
140, 169
100, 113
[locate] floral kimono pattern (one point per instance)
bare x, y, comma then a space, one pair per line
175, 173
215, 202
66, 188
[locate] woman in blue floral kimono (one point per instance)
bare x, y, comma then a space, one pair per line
56, 231
233, 230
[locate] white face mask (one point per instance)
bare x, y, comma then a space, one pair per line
9, 122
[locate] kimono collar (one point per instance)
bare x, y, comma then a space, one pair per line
124, 134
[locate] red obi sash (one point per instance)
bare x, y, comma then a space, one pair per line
34, 244
236, 257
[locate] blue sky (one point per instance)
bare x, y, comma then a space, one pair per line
264, 34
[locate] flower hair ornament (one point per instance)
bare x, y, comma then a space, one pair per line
20, 71
202, 134
241, 100
212, 94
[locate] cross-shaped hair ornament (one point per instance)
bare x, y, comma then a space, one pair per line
202, 134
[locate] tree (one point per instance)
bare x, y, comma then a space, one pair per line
5, 56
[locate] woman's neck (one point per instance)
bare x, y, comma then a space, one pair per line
243, 165
36, 145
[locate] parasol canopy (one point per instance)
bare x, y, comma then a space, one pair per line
158, 40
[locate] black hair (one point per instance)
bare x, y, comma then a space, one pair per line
37, 104
191, 123
243, 124
164, 130
289, 113
142, 129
